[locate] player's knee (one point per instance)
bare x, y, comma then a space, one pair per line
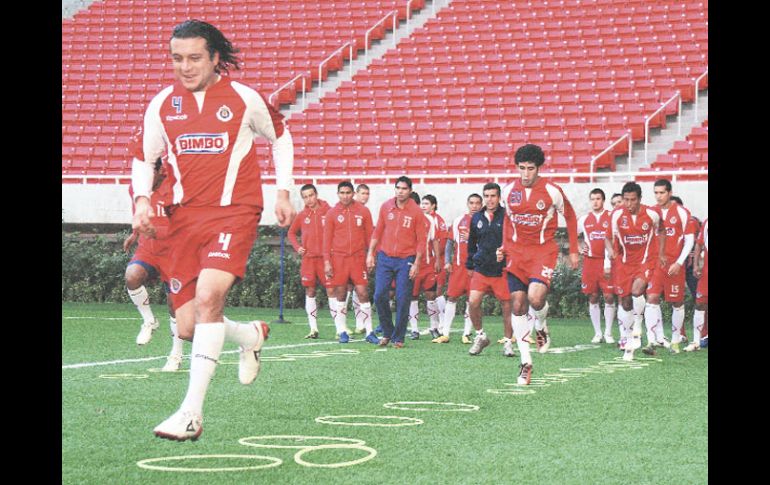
701, 306
135, 276
209, 303
519, 308
537, 302
652, 299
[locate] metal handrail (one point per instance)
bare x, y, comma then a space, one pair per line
270, 98
394, 13
648, 118
597, 157
321, 65
409, 13
697, 82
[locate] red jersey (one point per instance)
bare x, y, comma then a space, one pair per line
635, 236
459, 231
347, 230
532, 215
400, 231
703, 240
431, 225
595, 229
677, 222
309, 223
209, 137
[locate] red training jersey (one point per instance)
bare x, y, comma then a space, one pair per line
703, 240
595, 229
459, 230
635, 235
347, 230
400, 231
309, 223
677, 222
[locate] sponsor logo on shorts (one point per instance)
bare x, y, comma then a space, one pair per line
196, 143
176, 285
219, 254
224, 113
532, 220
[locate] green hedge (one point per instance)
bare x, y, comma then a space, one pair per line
93, 271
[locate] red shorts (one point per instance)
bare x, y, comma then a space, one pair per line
459, 282
349, 268
311, 269
497, 285
671, 287
424, 281
209, 238
702, 292
625, 274
593, 280
532, 263
155, 253
441, 279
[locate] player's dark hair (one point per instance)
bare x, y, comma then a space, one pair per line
598, 191
432, 199
407, 181
344, 183
663, 183
632, 187
362, 186
529, 153
474, 195
677, 199
491, 186
415, 197
308, 186
215, 42
616, 195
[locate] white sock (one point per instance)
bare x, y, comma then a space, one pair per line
532, 320
593, 311
177, 344
243, 334
659, 335
333, 311
541, 316
639, 306
609, 317
677, 321
356, 303
698, 320
414, 314
468, 323
449, 315
311, 307
651, 322
433, 314
347, 299
142, 301
365, 316
480, 331
441, 305
340, 321
626, 324
206, 347
521, 330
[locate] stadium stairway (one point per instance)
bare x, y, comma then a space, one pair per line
71, 7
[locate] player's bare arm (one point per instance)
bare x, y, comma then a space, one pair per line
370, 260
129, 241
415, 266
141, 221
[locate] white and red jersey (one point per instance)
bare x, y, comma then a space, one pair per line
209, 136
459, 231
429, 258
532, 213
309, 224
677, 222
703, 240
442, 234
347, 230
595, 228
634, 236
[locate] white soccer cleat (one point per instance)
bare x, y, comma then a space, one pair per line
608, 339
146, 331
181, 426
597, 339
249, 363
173, 362
508, 348
628, 354
636, 342
692, 347
543, 340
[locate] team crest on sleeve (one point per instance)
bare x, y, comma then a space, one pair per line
176, 285
224, 113
514, 198
540, 205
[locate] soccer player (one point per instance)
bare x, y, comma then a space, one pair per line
400, 236
635, 247
309, 223
669, 276
616, 200
484, 237
207, 124
362, 196
456, 256
346, 235
529, 245
596, 277
426, 280
702, 297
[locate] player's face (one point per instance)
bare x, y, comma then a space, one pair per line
310, 198
474, 205
662, 196
597, 202
362, 196
402, 192
632, 202
491, 199
426, 206
346, 195
193, 66
616, 201
528, 172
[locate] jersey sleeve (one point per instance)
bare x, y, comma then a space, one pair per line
292, 232
368, 226
566, 210
328, 232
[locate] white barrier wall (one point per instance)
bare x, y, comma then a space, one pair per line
107, 203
